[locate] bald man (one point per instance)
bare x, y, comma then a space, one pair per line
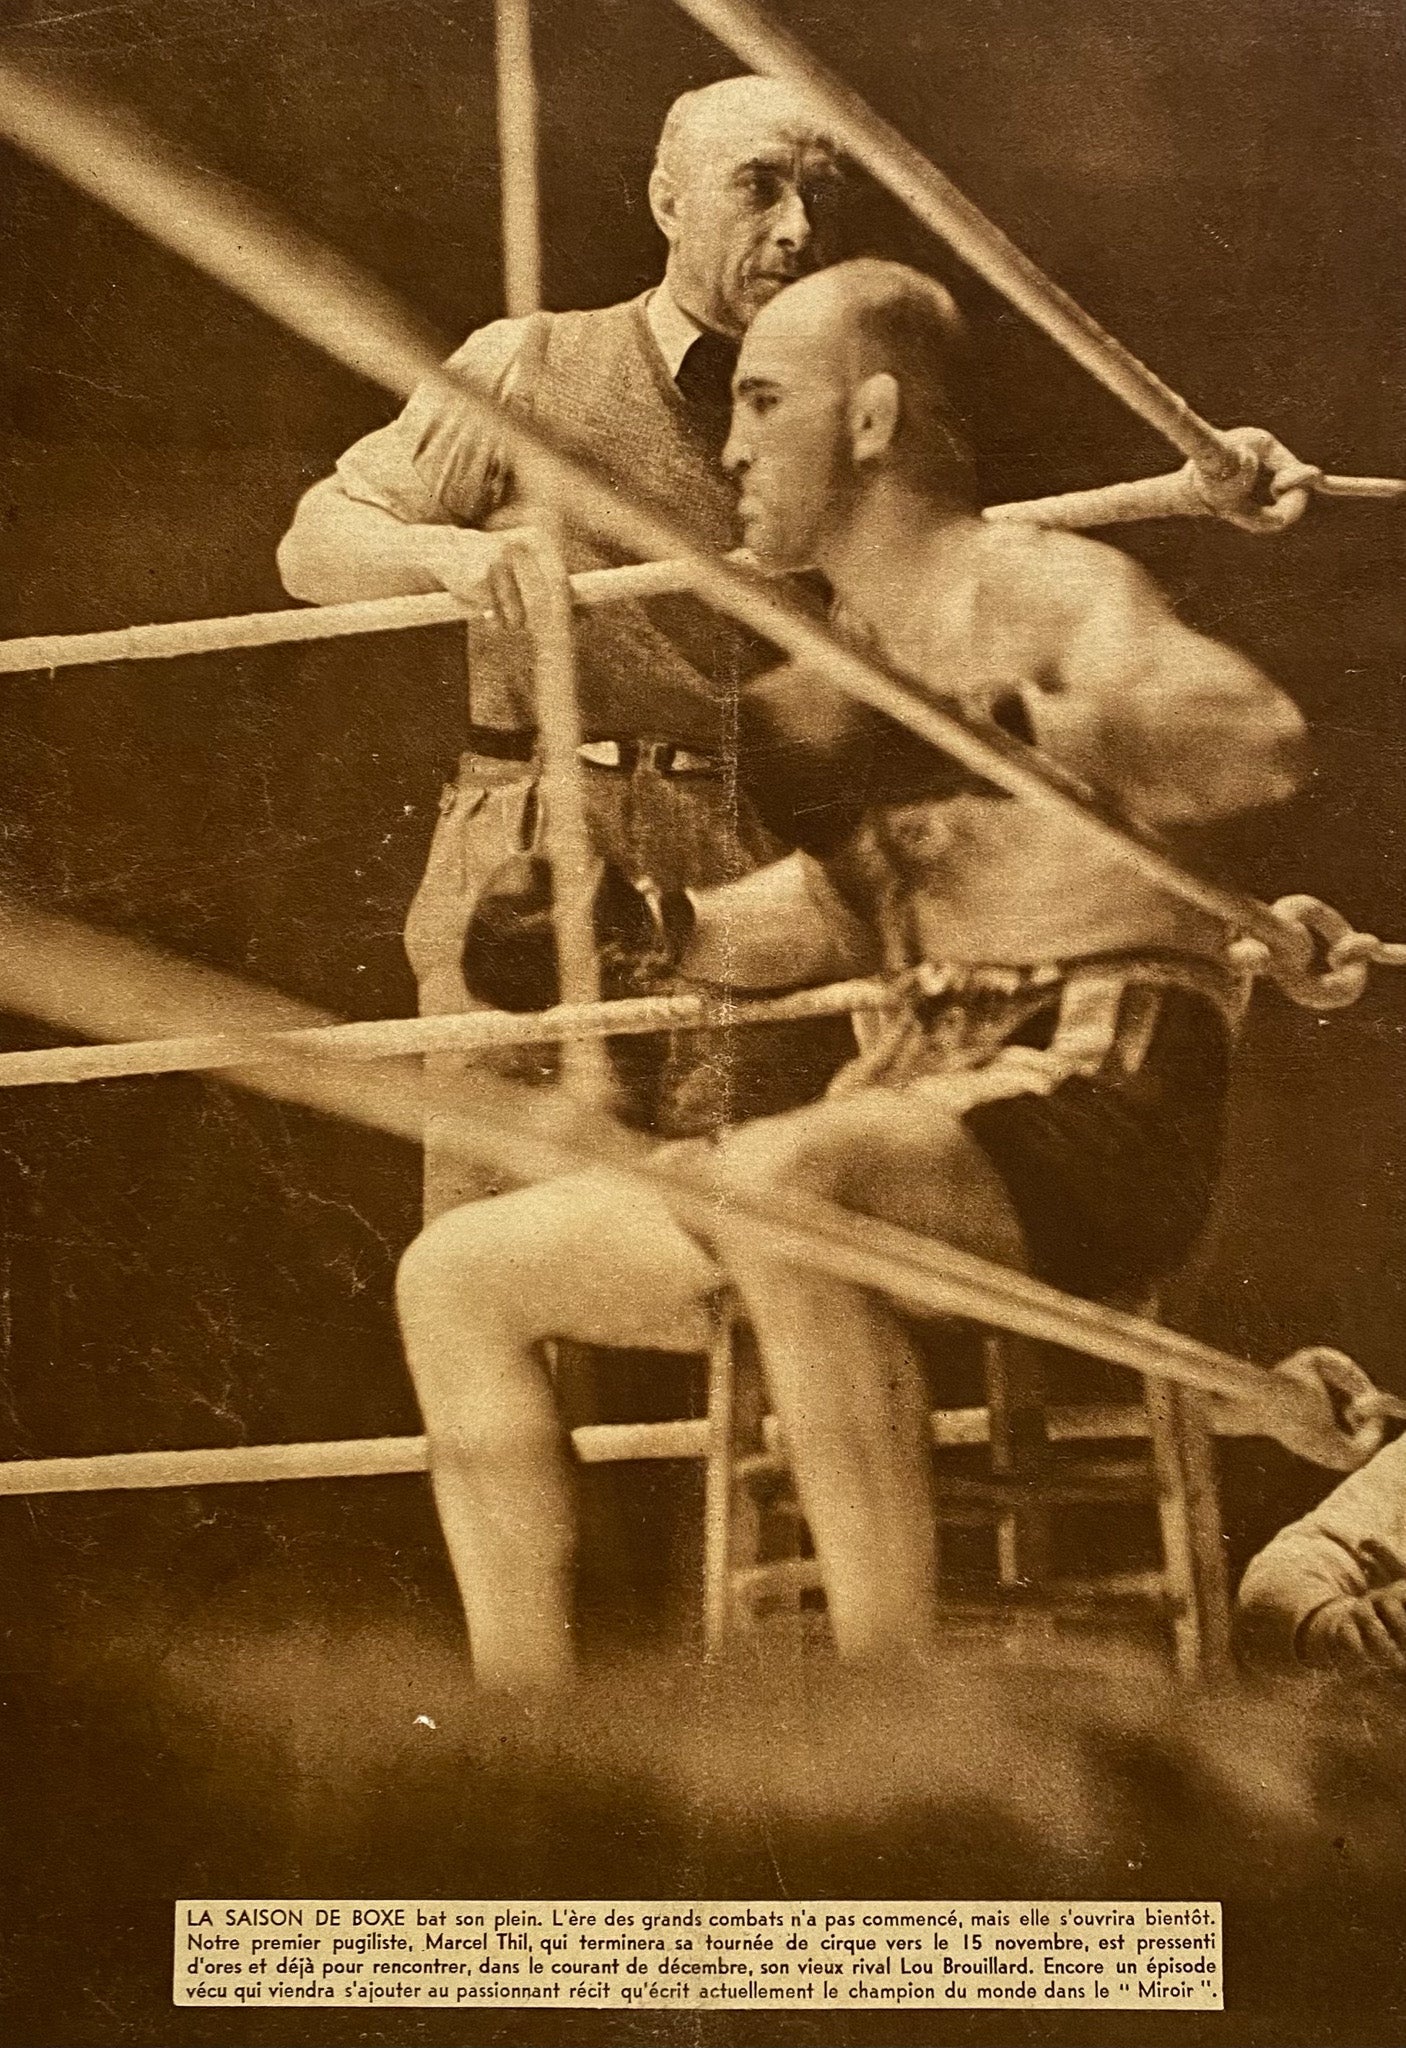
749, 193
1050, 1094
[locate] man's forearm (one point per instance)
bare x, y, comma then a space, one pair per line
340, 551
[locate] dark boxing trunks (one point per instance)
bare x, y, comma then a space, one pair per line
1100, 1100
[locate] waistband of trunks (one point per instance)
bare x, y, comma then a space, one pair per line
614, 753
1104, 1009
933, 987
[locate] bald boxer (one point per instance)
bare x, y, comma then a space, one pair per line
1051, 1091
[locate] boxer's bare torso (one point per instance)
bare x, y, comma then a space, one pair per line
1068, 644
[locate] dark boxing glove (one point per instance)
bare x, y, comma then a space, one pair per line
642, 934
510, 952
813, 760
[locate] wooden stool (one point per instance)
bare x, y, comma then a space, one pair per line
1042, 1457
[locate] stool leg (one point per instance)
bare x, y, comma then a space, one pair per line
1188, 1506
1015, 1400
719, 1490
1202, 1483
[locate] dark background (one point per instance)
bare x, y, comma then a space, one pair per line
1221, 182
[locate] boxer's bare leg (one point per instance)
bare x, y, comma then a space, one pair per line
843, 1374
595, 1259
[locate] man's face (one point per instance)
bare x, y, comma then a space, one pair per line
750, 207
788, 451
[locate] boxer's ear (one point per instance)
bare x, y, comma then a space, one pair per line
873, 416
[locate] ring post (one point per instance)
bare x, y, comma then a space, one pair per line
517, 151
566, 829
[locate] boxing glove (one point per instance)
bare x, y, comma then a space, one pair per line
510, 953
813, 761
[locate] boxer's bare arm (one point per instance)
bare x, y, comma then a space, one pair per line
783, 926
1177, 727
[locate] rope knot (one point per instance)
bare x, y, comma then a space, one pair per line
1342, 1414
1321, 962
1267, 492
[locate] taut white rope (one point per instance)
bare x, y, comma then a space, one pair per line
169, 642
594, 1443
1221, 458
106, 985
517, 154
463, 1033
1175, 496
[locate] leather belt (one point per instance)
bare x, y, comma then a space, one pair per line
615, 753
622, 755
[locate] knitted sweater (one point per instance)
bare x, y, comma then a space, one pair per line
595, 380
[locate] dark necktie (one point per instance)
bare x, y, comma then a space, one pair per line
704, 380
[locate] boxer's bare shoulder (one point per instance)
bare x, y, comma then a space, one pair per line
1061, 580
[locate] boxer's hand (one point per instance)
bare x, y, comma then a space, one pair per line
1362, 1634
490, 573
510, 948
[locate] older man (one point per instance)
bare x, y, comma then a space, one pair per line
749, 193
1050, 1096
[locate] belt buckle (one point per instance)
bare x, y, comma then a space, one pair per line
615, 756
670, 759
620, 754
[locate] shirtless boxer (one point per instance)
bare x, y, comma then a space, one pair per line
1052, 1094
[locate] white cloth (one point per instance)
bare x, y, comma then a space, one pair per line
1317, 1559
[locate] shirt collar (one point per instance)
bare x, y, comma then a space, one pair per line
674, 330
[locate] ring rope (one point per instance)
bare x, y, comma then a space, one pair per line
1182, 494
1230, 470
244, 245
593, 1443
100, 982
466, 1033
633, 583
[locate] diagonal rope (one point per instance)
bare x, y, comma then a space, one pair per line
242, 242
169, 641
1229, 469
108, 986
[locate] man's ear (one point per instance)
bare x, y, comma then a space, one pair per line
664, 203
873, 416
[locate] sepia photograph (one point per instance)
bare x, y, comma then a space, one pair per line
702, 1031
